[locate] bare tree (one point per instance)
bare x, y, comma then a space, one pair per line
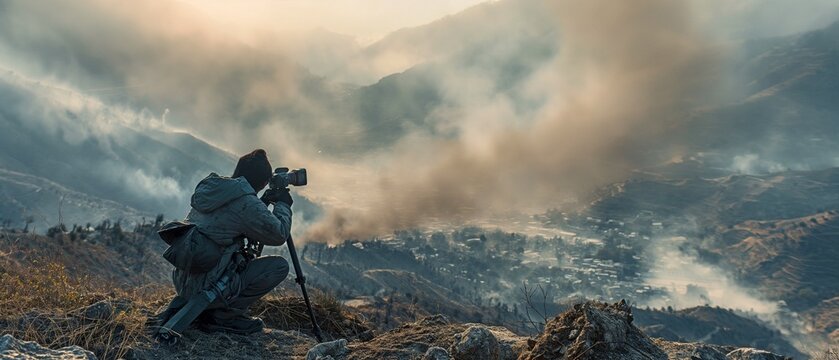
28, 220
530, 296
60, 215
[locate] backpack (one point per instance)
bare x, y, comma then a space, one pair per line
189, 250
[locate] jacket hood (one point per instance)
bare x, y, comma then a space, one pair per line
216, 191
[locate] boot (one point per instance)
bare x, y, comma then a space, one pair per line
229, 320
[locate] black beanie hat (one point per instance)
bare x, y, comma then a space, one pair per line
255, 167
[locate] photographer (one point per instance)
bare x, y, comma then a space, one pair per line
225, 212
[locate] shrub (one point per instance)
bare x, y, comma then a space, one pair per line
289, 313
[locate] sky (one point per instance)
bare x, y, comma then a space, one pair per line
366, 20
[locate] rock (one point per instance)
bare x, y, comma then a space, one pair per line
100, 310
436, 353
11, 348
328, 350
594, 330
753, 354
434, 320
476, 343
692, 351
510, 345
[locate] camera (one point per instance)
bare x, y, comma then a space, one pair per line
283, 177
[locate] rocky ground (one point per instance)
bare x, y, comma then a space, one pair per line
589, 330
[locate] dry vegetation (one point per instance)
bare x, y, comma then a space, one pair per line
57, 300
282, 311
829, 354
44, 304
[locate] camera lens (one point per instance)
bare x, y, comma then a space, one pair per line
300, 177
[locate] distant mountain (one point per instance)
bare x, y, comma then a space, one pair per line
489, 30
781, 111
712, 326
89, 152
777, 113
720, 200
42, 203
790, 259
825, 317
793, 260
499, 43
774, 232
786, 116
205, 81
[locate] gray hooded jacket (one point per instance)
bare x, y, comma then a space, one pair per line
225, 210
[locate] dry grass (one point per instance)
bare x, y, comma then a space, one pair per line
61, 294
289, 313
43, 303
829, 354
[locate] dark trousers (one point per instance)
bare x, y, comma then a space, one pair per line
259, 277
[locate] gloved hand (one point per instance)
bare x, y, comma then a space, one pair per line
273, 196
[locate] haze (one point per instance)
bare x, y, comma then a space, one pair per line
365, 20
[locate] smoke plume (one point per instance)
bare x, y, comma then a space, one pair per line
624, 74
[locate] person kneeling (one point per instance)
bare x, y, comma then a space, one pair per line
226, 213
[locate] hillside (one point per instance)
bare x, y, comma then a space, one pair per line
784, 117
724, 200
774, 233
505, 28
94, 150
124, 269
792, 260
713, 326
104, 251
777, 112
468, 32
28, 198
63, 150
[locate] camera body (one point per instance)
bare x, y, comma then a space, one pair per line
283, 177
